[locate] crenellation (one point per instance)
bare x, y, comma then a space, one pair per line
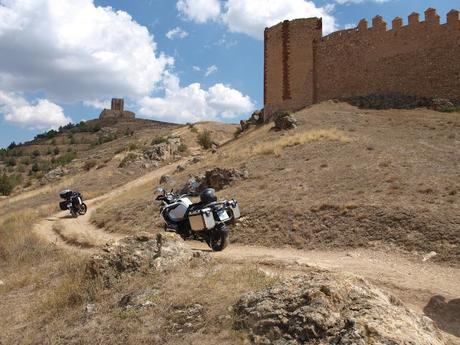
362, 26
397, 23
431, 17
453, 17
303, 67
379, 24
414, 19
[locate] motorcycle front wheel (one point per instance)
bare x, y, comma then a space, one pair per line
82, 210
219, 238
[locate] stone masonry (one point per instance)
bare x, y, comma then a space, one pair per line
301, 67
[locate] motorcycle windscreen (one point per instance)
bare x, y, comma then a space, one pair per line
201, 220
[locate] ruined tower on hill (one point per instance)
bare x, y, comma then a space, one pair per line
116, 111
301, 67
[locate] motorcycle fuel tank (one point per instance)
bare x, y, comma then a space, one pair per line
178, 210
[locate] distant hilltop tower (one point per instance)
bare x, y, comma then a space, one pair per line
116, 111
301, 67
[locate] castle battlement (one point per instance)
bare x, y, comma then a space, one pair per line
302, 67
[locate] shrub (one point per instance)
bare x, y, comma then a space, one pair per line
7, 183
159, 140
237, 132
193, 129
10, 162
89, 164
182, 148
12, 146
132, 147
36, 153
56, 151
6, 187
205, 140
66, 158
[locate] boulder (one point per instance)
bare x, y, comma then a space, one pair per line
143, 252
255, 119
284, 121
217, 178
56, 174
325, 308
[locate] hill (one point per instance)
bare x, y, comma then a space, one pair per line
368, 192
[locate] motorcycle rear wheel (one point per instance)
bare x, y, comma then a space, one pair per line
219, 238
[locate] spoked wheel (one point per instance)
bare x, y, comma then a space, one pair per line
82, 210
219, 238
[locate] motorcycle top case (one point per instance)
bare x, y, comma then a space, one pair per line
201, 219
63, 205
65, 194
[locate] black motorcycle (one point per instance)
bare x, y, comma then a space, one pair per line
73, 202
206, 221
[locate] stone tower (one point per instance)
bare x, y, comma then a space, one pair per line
289, 74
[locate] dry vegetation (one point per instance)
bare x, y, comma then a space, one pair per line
378, 179
277, 146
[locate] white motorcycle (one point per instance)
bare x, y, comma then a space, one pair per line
206, 221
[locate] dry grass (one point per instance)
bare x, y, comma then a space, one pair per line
277, 146
71, 288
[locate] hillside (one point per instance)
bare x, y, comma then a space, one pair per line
372, 193
88, 156
375, 179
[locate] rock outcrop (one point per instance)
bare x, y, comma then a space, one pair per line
217, 178
257, 118
153, 155
108, 114
324, 308
284, 121
140, 253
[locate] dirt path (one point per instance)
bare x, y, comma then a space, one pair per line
420, 285
79, 233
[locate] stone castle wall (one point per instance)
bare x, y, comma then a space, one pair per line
302, 67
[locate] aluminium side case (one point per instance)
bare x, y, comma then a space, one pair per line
202, 219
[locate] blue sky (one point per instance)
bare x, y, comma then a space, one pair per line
172, 60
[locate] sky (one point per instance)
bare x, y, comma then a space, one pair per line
179, 61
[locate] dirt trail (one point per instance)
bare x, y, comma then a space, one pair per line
418, 284
79, 233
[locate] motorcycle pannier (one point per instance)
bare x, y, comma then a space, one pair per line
201, 219
63, 205
235, 210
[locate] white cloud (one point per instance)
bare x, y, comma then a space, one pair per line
251, 17
343, 2
192, 103
73, 50
199, 11
177, 32
42, 115
210, 70
98, 104
196, 68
